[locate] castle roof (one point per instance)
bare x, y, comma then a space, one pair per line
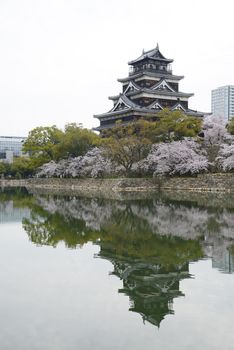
153, 54
155, 93
124, 106
149, 88
150, 75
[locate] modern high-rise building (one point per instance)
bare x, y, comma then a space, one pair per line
222, 102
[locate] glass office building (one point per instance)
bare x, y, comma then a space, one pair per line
10, 147
222, 102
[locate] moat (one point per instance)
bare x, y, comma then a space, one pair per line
143, 271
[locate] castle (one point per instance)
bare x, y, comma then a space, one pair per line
149, 88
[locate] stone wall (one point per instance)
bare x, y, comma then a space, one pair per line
203, 182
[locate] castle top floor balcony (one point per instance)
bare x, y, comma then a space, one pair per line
150, 68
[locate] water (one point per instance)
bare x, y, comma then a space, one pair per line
125, 273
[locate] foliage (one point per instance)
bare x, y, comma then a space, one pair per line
175, 125
126, 144
171, 125
143, 147
167, 251
177, 157
127, 229
230, 126
75, 141
2, 168
50, 143
126, 151
47, 229
22, 167
41, 143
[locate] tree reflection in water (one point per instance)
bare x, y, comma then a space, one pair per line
151, 265
149, 242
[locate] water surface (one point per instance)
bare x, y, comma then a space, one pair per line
85, 273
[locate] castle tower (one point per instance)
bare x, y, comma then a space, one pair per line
149, 88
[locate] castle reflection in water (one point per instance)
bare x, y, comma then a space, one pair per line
150, 242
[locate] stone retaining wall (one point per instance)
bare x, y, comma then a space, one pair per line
203, 182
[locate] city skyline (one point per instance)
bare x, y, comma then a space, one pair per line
61, 60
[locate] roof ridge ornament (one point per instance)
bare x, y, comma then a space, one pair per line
157, 46
143, 51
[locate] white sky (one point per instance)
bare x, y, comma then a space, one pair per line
60, 59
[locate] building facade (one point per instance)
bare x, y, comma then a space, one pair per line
10, 147
222, 102
149, 88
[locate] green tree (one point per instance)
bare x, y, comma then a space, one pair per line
2, 168
22, 167
169, 126
126, 151
75, 141
41, 142
174, 125
230, 126
127, 144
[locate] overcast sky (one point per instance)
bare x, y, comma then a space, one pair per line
60, 59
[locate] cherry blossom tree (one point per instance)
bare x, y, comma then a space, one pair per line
225, 159
214, 130
47, 169
215, 135
92, 164
177, 157
214, 151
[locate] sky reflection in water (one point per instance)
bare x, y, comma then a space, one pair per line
166, 253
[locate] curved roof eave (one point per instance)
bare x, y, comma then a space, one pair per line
151, 75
